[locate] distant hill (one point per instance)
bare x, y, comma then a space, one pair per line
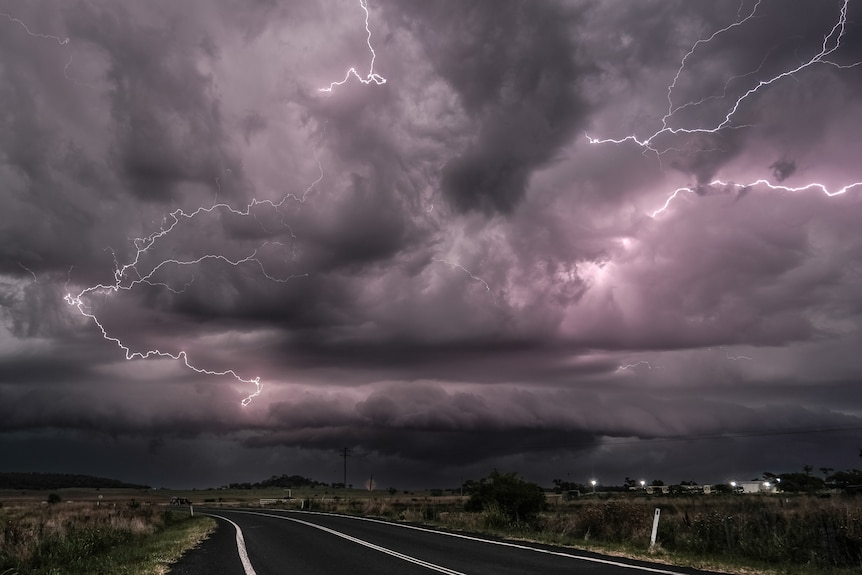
15, 480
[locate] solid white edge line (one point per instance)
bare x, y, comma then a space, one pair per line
392, 552
501, 543
240, 546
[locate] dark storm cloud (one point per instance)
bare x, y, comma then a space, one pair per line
514, 69
167, 122
440, 272
782, 169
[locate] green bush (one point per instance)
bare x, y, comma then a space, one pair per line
507, 495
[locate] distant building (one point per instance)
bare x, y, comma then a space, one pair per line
657, 489
752, 487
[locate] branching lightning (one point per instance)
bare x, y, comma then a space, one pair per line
830, 44
372, 76
128, 275
760, 182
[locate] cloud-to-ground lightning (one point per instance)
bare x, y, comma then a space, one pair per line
830, 44
371, 76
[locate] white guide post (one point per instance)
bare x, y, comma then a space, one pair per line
654, 528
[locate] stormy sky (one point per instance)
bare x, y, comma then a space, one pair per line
585, 239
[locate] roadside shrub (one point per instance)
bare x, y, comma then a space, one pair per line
505, 495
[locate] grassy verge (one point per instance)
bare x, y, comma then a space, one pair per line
787, 535
79, 539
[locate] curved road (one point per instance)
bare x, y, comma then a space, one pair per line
273, 542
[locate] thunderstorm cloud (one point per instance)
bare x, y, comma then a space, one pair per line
567, 238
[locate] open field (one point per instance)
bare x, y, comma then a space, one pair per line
788, 534
784, 534
116, 536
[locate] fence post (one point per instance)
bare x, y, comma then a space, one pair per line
191, 510
654, 528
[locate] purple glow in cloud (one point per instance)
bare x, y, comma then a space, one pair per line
428, 262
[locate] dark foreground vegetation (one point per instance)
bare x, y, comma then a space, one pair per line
765, 533
89, 539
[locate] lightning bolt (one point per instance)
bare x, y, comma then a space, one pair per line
634, 365
760, 182
127, 276
372, 76
58, 39
735, 357
830, 44
469, 273
31, 272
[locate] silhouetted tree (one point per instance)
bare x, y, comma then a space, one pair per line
517, 499
849, 479
800, 482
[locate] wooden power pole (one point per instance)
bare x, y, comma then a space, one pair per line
345, 453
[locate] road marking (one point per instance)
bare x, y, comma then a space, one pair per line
502, 543
240, 546
402, 556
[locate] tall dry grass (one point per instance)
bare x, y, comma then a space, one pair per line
759, 530
36, 538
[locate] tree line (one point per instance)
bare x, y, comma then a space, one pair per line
37, 481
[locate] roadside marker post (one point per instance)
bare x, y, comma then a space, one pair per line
654, 528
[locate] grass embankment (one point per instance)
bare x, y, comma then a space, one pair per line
86, 539
798, 535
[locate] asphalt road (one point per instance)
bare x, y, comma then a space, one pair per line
270, 542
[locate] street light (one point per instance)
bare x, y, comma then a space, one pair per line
593, 483
643, 484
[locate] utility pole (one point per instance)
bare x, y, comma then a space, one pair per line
345, 453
